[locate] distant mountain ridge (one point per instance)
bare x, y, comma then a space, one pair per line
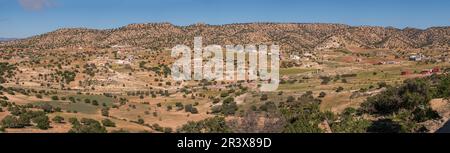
291, 36
6, 39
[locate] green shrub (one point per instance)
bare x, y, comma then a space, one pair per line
209, 125
108, 123
58, 119
42, 122
55, 98
105, 111
87, 126
12, 122
264, 97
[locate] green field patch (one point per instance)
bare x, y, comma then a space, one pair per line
296, 87
292, 71
80, 107
100, 98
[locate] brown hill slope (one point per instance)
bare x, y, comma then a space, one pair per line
291, 36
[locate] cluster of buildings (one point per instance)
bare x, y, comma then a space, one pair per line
420, 57
417, 57
306, 59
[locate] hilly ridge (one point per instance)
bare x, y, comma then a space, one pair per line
291, 36
6, 39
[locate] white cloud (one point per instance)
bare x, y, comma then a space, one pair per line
35, 5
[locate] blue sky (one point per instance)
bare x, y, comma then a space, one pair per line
24, 18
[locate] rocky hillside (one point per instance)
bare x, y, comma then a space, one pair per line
291, 36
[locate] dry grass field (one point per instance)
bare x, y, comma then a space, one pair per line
136, 87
